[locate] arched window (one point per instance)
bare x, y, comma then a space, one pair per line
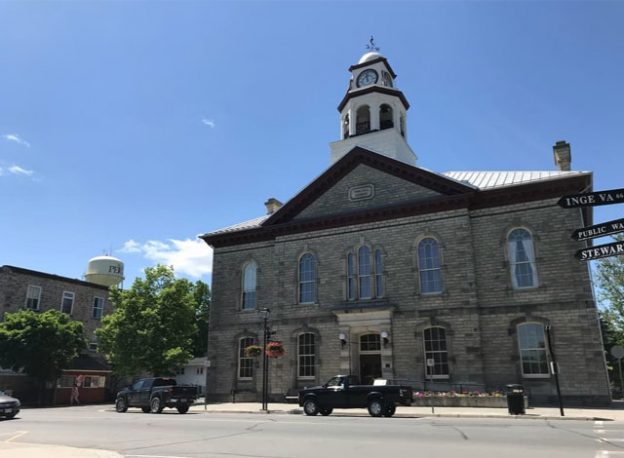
532, 347
307, 279
306, 350
402, 126
436, 353
370, 343
386, 120
345, 126
245, 364
249, 285
364, 273
362, 119
429, 266
522, 259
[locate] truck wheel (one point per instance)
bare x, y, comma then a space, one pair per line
145, 409
121, 405
156, 405
390, 409
311, 407
375, 407
326, 411
183, 408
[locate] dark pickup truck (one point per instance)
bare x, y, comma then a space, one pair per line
154, 394
343, 391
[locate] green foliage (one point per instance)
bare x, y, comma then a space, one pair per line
40, 344
153, 326
202, 298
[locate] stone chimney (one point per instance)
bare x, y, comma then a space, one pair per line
563, 156
272, 205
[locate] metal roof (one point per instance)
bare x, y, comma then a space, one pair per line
487, 180
249, 224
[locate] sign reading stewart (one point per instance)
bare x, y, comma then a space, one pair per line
601, 251
590, 199
599, 230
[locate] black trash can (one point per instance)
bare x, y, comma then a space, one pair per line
515, 399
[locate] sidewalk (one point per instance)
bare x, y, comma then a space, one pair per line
615, 413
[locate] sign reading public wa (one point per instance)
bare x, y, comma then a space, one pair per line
591, 199
600, 251
599, 230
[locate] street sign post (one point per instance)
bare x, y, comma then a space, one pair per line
617, 352
600, 251
591, 199
599, 230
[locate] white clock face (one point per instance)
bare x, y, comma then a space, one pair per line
367, 77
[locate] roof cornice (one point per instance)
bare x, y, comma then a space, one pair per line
370, 89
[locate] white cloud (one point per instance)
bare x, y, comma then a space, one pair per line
190, 257
209, 122
15, 138
17, 170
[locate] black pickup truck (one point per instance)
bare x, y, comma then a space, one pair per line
343, 391
154, 394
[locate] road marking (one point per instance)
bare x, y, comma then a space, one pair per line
16, 435
607, 453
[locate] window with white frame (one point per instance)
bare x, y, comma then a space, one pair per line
98, 307
532, 346
365, 274
67, 302
306, 350
429, 266
436, 352
33, 297
245, 363
307, 279
93, 381
522, 259
249, 285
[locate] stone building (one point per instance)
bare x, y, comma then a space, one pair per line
84, 301
381, 268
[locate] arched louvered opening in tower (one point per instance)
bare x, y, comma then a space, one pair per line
345, 126
386, 120
363, 123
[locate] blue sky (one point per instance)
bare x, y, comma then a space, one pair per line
131, 127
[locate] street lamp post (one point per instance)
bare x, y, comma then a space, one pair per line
555, 369
265, 360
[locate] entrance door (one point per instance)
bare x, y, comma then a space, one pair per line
370, 368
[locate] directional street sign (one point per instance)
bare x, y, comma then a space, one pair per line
599, 230
591, 199
600, 251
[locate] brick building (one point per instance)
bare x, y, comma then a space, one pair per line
383, 269
83, 301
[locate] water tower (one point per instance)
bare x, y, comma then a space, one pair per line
105, 270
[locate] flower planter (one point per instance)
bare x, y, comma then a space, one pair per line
274, 349
253, 351
463, 401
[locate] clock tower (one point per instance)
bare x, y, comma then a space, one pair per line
373, 112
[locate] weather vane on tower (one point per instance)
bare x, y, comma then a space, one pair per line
371, 45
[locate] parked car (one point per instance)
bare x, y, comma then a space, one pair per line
154, 394
9, 406
344, 391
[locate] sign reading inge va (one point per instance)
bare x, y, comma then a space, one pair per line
591, 199
600, 251
599, 230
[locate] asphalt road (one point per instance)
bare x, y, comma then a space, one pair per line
210, 435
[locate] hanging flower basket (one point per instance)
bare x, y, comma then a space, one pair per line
275, 349
253, 351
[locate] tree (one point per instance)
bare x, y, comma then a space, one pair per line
152, 326
201, 297
40, 344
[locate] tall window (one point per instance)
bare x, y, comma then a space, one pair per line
67, 303
249, 286
436, 353
307, 279
522, 259
532, 346
307, 355
386, 120
370, 342
345, 126
33, 297
362, 118
429, 266
245, 364
365, 274
98, 307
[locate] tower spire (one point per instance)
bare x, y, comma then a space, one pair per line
371, 45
